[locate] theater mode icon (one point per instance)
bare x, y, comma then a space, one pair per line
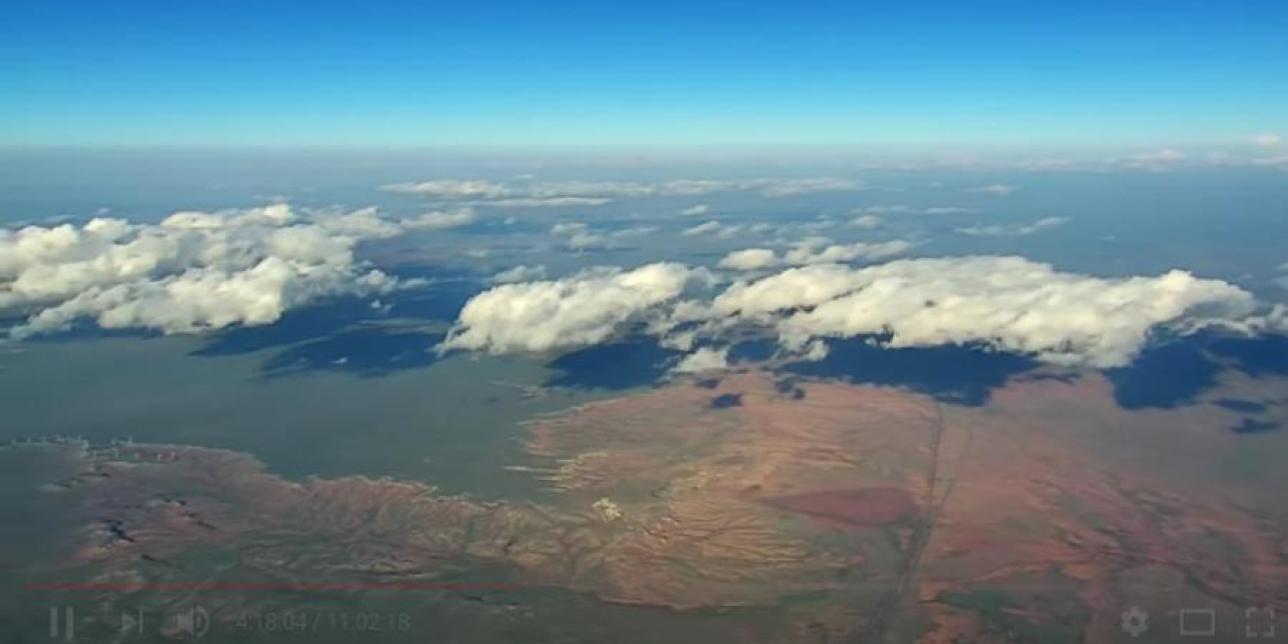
1198, 622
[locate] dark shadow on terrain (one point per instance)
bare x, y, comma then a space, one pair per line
1254, 426
347, 335
1242, 406
1168, 373
790, 387
295, 326
1176, 371
1260, 356
441, 301
725, 401
752, 351
1164, 375
367, 353
954, 374
630, 363
1041, 377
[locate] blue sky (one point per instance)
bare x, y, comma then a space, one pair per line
978, 74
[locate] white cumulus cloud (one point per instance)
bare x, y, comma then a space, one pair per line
1014, 230
905, 209
1004, 303
1008, 303
704, 360
821, 250
584, 309
1266, 140
529, 193
721, 230
806, 286
192, 272
440, 220
792, 187
544, 202
452, 189
521, 273
813, 250
579, 236
995, 189
749, 259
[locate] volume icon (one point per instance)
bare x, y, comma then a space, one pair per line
192, 623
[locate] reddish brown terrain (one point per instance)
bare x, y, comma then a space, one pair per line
859, 513
861, 507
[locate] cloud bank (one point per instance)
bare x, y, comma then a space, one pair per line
749, 259
582, 193
995, 189
813, 250
821, 250
1015, 305
194, 271
520, 273
715, 228
703, 360
1002, 303
578, 236
866, 221
584, 309
1014, 230
1266, 140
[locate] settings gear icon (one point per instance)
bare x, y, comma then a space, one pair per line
1135, 621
